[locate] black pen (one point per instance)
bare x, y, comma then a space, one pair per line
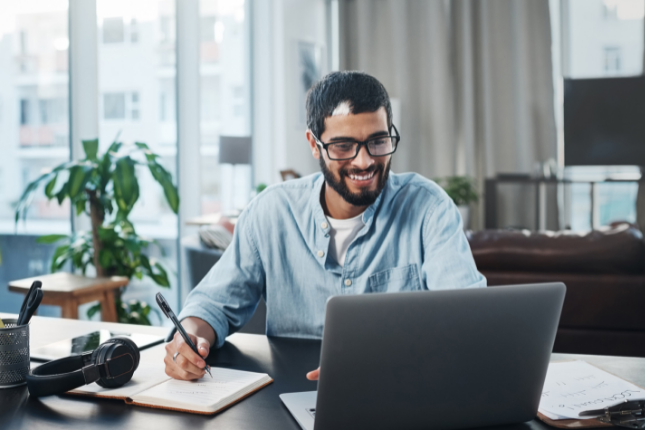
165, 307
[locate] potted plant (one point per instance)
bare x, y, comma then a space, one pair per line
105, 187
461, 190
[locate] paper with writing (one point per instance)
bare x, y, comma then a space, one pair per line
575, 386
225, 386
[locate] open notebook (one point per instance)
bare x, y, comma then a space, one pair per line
151, 387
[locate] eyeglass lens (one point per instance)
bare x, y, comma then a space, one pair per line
376, 147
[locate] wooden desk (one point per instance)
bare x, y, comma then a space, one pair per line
286, 360
69, 291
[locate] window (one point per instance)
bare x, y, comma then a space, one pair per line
603, 38
134, 31
131, 90
34, 134
114, 106
24, 112
113, 30
612, 60
225, 102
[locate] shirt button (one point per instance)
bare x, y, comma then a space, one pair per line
323, 225
321, 253
348, 282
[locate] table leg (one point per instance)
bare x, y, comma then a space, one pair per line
69, 309
108, 309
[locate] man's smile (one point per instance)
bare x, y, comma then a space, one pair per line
362, 179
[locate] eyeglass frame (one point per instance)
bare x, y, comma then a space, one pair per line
360, 143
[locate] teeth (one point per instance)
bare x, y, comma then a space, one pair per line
361, 178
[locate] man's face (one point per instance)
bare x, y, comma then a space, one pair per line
358, 181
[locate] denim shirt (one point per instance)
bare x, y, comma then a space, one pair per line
412, 240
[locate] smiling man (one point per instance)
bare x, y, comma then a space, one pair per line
356, 228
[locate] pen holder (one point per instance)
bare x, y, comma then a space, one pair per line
14, 354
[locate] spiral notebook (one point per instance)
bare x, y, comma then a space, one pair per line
151, 387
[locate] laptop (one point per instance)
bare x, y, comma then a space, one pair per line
432, 359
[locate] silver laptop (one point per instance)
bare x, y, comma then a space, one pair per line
432, 359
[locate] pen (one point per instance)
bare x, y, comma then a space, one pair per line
165, 307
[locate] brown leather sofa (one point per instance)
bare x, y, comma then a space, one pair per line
604, 271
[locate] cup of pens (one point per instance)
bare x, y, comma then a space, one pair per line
14, 341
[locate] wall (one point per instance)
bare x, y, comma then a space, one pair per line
278, 129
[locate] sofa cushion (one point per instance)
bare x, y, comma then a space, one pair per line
592, 302
617, 249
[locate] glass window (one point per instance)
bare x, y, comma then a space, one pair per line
113, 30
225, 101
604, 38
34, 134
114, 106
133, 112
34, 127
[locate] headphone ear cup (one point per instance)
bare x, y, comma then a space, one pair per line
113, 348
134, 349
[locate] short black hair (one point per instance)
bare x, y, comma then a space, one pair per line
363, 93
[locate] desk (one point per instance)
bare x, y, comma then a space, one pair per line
286, 360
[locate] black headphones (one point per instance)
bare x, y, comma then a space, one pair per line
110, 365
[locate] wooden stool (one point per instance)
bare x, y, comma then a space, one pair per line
69, 291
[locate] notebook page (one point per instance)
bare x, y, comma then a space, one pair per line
144, 377
203, 394
576, 386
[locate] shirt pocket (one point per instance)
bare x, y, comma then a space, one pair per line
398, 279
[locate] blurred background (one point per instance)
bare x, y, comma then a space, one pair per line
536, 104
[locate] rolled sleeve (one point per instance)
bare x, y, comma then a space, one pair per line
229, 293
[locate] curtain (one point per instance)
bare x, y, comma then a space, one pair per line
474, 80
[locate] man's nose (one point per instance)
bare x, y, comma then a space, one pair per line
363, 160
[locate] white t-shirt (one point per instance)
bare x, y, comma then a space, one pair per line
342, 232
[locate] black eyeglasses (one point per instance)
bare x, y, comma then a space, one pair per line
347, 149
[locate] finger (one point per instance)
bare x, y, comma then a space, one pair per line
203, 346
189, 367
174, 370
314, 375
187, 352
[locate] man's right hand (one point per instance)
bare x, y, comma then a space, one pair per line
188, 365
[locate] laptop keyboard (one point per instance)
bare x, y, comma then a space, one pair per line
312, 412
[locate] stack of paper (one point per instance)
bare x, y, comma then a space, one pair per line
576, 386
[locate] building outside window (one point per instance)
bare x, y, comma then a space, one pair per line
603, 38
34, 134
225, 101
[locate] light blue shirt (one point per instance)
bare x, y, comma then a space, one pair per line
413, 239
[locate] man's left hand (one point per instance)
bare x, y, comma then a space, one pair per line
314, 375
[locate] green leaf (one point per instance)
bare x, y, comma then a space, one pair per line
91, 148
164, 179
51, 238
106, 258
78, 177
62, 193
80, 206
93, 310
49, 188
126, 186
59, 258
162, 278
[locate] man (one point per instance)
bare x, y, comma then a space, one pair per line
356, 228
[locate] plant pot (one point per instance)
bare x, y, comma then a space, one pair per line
464, 211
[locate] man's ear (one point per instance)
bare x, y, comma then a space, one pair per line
315, 149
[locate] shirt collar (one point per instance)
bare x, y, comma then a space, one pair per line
368, 215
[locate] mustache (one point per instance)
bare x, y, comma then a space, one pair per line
372, 168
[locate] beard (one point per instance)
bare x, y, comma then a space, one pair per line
363, 198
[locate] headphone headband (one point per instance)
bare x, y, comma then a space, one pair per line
98, 366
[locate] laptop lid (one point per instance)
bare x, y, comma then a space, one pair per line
436, 359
